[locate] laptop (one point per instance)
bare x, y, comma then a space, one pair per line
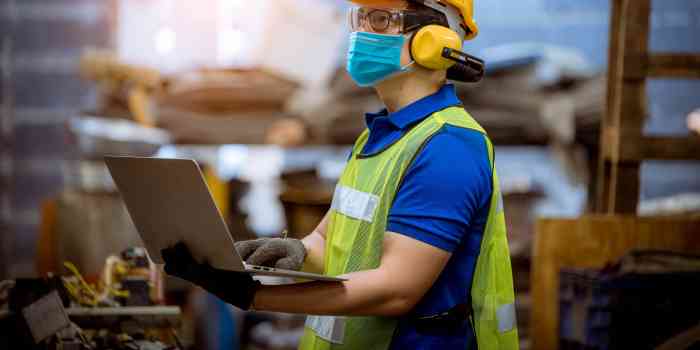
169, 201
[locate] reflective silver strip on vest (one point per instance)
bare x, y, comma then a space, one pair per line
355, 204
506, 318
499, 208
329, 328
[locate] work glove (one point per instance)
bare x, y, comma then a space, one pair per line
281, 253
235, 288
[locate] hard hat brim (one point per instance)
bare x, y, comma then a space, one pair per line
394, 4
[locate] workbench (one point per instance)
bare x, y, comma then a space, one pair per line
144, 316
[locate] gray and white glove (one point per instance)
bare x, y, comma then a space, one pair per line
281, 253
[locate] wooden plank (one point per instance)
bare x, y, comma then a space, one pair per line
623, 146
651, 147
685, 340
609, 119
663, 148
664, 65
603, 185
614, 59
635, 34
668, 65
627, 106
609, 136
625, 198
592, 242
625, 182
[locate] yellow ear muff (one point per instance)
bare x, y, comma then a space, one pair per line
428, 43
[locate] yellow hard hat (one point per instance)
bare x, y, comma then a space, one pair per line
465, 9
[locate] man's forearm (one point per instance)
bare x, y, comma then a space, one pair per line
315, 247
407, 270
366, 293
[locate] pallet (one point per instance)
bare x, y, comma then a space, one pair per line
623, 145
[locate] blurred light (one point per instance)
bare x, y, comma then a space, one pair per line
180, 35
232, 43
694, 121
236, 6
166, 40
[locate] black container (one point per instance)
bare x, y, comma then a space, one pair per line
612, 309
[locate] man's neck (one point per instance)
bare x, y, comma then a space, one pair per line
402, 90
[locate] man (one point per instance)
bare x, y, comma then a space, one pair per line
416, 224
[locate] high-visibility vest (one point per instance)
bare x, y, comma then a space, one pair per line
355, 233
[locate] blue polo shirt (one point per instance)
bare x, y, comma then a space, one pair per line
444, 202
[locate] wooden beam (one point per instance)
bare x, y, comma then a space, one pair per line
626, 103
665, 148
603, 185
666, 65
623, 146
625, 182
651, 147
614, 60
608, 120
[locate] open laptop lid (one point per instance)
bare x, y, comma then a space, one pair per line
169, 201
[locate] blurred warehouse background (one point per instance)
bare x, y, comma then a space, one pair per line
258, 93
42, 42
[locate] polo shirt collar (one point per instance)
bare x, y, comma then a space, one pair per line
418, 110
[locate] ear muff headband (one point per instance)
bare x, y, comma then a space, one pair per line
428, 43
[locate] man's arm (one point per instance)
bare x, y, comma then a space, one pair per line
407, 271
315, 245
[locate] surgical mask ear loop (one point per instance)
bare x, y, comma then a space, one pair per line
408, 67
410, 44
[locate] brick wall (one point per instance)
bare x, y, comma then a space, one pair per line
47, 37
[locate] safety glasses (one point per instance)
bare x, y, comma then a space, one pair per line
391, 21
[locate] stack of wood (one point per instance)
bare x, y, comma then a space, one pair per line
199, 107
234, 106
518, 110
124, 90
564, 114
511, 105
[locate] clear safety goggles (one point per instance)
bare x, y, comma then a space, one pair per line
392, 21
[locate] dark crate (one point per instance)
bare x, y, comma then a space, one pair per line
606, 309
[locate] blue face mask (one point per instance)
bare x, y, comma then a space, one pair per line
374, 57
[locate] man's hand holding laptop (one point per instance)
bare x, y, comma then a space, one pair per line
235, 288
282, 253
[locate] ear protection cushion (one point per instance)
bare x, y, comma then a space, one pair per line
427, 45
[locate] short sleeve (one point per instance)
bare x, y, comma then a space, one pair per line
444, 190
